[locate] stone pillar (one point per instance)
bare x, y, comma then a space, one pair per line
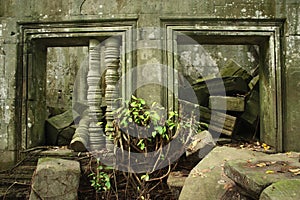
94, 97
112, 62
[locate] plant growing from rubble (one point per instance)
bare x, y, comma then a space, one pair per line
101, 179
142, 128
146, 128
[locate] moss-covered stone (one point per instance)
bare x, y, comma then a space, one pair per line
285, 189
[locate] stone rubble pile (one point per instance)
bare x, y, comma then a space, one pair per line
229, 104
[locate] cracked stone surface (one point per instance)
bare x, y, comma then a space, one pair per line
208, 181
55, 178
253, 176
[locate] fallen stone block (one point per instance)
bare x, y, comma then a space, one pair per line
200, 141
65, 136
285, 189
218, 121
232, 68
208, 181
227, 103
58, 125
253, 176
230, 86
55, 179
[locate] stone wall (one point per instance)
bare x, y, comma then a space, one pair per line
147, 14
63, 64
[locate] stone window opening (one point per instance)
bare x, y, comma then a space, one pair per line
55, 81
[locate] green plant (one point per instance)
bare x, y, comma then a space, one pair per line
100, 179
146, 129
137, 119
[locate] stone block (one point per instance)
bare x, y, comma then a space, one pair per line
55, 179
218, 121
199, 142
168, 7
232, 68
55, 9
66, 135
293, 111
231, 103
207, 180
176, 181
253, 176
219, 87
58, 128
10, 50
188, 109
151, 7
285, 189
9, 31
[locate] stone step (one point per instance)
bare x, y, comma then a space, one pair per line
253, 176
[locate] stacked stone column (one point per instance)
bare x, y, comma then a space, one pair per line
112, 62
94, 97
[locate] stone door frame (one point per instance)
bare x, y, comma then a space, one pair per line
267, 34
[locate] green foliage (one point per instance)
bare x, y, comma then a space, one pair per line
139, 118
101, 179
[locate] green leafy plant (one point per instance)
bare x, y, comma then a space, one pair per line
101, 179
138, 119
144, 128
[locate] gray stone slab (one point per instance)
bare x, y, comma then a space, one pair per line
55, 179
285, 189
207, 180
255, 175
232, 68
232, 103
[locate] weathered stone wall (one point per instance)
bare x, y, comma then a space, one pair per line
63, 64
292, 75
148, 14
